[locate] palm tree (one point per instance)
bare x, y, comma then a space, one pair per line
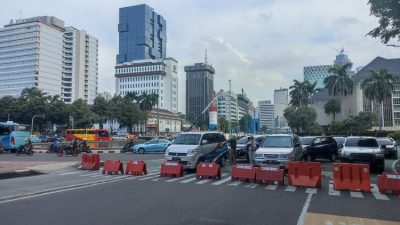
33, 93
147, 101
339, 83
332, 107
133, 96
301, 92
378, 87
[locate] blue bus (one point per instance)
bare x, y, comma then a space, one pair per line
13, 135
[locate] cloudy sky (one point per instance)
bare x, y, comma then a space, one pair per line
260, 45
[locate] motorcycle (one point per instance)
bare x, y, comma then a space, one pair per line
68, 150
25, 149
126, 148
85, 149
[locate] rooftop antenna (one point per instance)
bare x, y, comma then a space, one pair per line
205, 58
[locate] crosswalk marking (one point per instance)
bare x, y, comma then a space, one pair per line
151, 176
332, 191
180, 178
157, 179
251, 186
222, 181
356, 194
271, 187
290, 188
147, 175
208, 180
62, 174
89, 174
236, 183
188, 180
377, 194
311, 191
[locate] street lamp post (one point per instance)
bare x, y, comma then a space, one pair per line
42, 116
230, 109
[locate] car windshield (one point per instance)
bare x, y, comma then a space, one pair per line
384, 141
306, 140
361, 142
277, 142
242, 141
188, 139
340, 140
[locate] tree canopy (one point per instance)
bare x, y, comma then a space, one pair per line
388, 12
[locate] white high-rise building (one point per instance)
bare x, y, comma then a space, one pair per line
266, 114
31, 55
40, 52
80, 75
159, 76
228, 106
281, 102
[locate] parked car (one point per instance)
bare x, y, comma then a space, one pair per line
156, 145
146, 138
340, 142
258, 139
276, 148
241, 148
389, 147
320, 147
119, 138
36, 139
363, 150
193, 147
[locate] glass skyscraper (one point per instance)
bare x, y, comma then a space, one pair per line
142, 34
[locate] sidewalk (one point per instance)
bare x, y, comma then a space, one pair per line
10, 169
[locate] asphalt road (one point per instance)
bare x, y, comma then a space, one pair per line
77, 197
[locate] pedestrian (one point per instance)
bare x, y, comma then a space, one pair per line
251, 149
232, 145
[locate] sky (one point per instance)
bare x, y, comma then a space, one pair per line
260, 45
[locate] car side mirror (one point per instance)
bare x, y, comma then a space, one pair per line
204, 142
383, 146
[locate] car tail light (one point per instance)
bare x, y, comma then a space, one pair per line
12, 141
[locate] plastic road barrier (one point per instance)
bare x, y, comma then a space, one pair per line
171, 169
208, 170
305, 174
113, 167
90, 161
136, 168
352, 177
269, 175
243, 172
389, 182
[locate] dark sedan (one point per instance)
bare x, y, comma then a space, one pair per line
390, 149
323, 147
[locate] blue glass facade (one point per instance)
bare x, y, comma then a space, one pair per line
142, 34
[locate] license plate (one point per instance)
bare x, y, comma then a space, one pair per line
175, 159
271, 162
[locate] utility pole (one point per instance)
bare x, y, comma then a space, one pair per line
158, 118
43, 116
230, 109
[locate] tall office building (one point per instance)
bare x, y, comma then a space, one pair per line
142, 34
281, 102
199, 88
159, 76
228, 106
266, 114
317, 74
31, 55
40, 52
80, 74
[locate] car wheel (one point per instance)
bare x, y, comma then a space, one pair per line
141, 151
333, 157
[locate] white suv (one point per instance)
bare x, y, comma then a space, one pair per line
276, 148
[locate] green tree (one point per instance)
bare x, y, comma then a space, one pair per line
365, 120
332, 107
301, 119
378, 87
6, 108
223, 125
264, 129
339, 83
81, 114
58, 111
301, 92
388, 12
148, 101
103, 109
127, 113
190, 117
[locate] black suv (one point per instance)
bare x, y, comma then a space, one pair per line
322, 147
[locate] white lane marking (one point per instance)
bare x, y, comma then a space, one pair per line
332, 191
222, 181
251, 185
377, 194
290, 188
271, 187
62, 171
89, 174
208, 180
62, 174
149, 177
356, 194
180, 178
157, 179
300, 221
236, 183
311, 191
188, 180
130, 177
98, 175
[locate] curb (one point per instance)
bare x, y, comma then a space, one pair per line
19, 173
